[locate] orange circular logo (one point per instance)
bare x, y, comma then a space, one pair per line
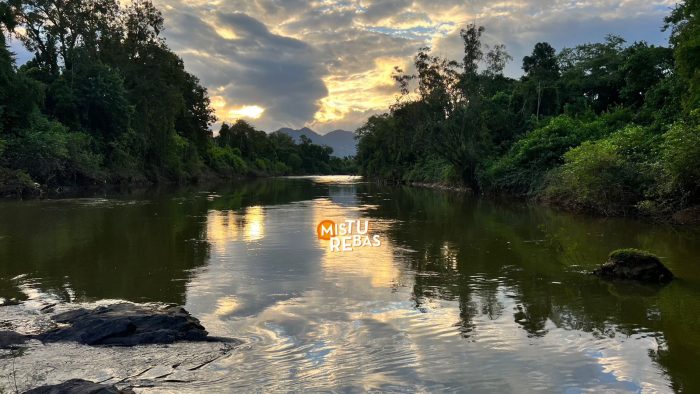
325, 230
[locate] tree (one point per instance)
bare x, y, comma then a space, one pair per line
684, 23
53, 29
541, 75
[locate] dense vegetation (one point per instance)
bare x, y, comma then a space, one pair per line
105, 100
608, 127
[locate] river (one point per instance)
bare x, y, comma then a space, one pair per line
462, 294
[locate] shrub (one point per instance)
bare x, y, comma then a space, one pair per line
15, 183
432, 170
225, 161
50, 153
522, 169
680, 160
596, 177
182, 159
125, 158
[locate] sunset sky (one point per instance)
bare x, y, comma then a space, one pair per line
327, 64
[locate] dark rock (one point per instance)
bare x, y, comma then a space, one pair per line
11, 338
636, 265
78, 386
126, 325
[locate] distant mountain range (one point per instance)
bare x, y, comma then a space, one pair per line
342, 141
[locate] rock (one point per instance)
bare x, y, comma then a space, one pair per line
78, 386
636, 265
126, 324
11, 338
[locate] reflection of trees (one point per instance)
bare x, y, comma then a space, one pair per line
478, 252
138, 250
267, 192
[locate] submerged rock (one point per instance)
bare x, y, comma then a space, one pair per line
78, 386
126, 324
634, 264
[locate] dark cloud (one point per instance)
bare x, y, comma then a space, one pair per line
251, 67
294, 58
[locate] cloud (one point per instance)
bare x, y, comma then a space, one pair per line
327, 63
249, 71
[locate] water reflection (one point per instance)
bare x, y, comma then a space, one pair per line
135, 250
463, 294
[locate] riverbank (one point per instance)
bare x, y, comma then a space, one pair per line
686, 216
29, 190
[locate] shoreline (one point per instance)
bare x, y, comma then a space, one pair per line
689, 216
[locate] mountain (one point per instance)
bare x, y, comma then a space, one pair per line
342, 141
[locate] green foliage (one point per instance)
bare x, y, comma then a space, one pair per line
51, 154
680, 160
277, 153
595, 177
105, 100
596, 127
15, 183
522, 169
92, 97
125, 157
685, 37
225, 160
432, 170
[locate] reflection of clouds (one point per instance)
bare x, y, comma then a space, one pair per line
221, 228
375, 263
226, 305
317, 320
224, 227
254, 220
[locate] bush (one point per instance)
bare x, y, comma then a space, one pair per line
52, 154
225, 161
680, 160
182, 159
14, 183
595, 177
522, 169
432, 170
125, 158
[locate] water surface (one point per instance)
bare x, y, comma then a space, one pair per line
462, 295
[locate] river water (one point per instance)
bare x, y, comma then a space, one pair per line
463, 294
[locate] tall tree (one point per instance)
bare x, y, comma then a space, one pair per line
684, 22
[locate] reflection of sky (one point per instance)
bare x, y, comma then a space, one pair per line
318, 320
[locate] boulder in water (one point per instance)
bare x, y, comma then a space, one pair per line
636, 265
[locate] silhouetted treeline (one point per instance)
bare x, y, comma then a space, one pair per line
105, 100
609, 127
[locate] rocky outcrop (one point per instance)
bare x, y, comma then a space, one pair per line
122, 324
126, 325
78, 386
635, 265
